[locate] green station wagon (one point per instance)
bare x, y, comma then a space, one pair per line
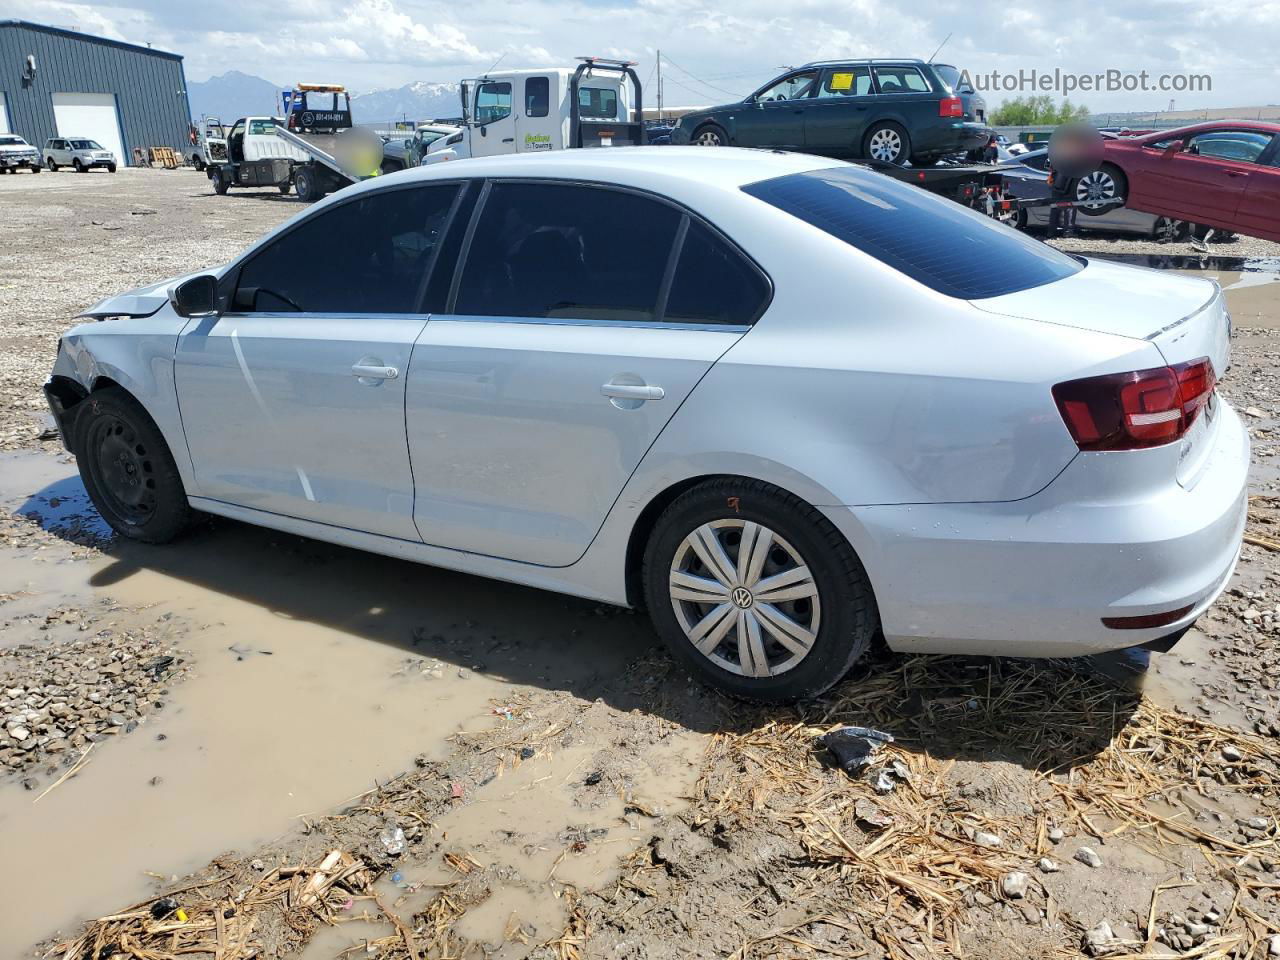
887, 110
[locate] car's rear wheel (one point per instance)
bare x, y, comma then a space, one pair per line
756, 591
80, 167
1100, 186
306, 186
887, 142
709, 135
127, 468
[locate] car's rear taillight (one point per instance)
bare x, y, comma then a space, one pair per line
1129, 411
950, 107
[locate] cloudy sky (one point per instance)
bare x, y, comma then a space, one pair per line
713, 50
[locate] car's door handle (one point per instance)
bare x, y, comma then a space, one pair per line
508, 139
1235, 173
632, 391
369, 371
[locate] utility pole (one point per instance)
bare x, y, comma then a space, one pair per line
659, 84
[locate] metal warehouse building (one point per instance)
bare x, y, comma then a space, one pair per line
61, 83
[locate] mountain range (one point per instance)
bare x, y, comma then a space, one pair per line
235, 94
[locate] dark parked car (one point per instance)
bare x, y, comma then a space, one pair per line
887, 110
1224, 174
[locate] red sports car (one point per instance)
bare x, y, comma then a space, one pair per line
1223, 174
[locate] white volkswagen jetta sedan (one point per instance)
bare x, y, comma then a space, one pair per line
781, 402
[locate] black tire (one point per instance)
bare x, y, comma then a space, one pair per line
306, 185
36, 168
219, 182
709, 135
111, 168
284, 187
53, 167
883, 135
127, 468
80, 167
925, 159
1094, 184
848, 620
197, 161
391, 166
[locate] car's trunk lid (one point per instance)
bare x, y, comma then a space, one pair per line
1185, 318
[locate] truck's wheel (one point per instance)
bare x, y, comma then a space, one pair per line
111, 168
307, 186
284, 187
219, 182
888, 143
36, 168
197, 161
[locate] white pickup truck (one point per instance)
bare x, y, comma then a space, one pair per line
530, 111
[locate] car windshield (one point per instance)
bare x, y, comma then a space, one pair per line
941, 244
12, 142
85, 145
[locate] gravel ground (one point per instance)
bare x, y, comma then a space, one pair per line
970, 838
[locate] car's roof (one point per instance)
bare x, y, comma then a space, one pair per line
883, 61
1261, 126
725, 167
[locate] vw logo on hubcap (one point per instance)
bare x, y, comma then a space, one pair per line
741, 597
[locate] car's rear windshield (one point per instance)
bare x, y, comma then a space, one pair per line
949, 75
937, 242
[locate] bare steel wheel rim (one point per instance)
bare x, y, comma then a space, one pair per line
124, 469
1097, 187
708, 138
886, 145
745, 598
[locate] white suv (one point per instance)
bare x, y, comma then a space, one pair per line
16, 153
78, 152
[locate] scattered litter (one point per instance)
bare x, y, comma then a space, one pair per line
870, 814
392, 839
455, 790
854, 746
882, 783
593, 778
163, 907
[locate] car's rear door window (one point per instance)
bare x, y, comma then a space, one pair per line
714, 283
368, 255
537, 96
567, 252
901, 80
845, 82
940, 244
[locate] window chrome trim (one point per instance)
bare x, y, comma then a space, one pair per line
576, 322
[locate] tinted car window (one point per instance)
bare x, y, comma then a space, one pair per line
537, 96
714, 283
567, 252
493, 102
901, 80
941, 244
794, 87
369, 255
845, 82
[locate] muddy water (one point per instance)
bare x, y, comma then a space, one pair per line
317, 670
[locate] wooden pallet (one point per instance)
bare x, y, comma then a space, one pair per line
165, 157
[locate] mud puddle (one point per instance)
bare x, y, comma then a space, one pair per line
316, 671
1195, 261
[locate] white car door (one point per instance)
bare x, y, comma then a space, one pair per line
292, 399
493, 128
580, 320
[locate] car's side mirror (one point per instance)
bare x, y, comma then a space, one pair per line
1174, 148
197, 297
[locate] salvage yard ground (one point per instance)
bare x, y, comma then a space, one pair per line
281, 748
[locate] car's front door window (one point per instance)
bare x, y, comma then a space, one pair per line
493, 102
569, 253
1245, 146
796, 86
367, 256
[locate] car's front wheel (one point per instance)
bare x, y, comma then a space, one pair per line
53, 167
36, 168
709, 135
127, 468
756, 591
1099, 189
888, 143
197, 161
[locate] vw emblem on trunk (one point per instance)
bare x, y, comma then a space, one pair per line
741, 597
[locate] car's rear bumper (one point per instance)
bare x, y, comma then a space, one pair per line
1036, 577
949, 136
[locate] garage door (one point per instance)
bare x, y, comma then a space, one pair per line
90, 115
4, 116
